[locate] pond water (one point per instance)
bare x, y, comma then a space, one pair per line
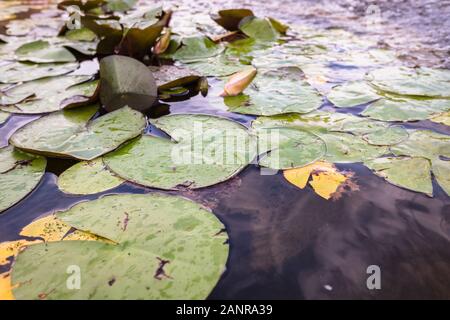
287, 243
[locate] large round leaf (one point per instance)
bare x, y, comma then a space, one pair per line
43, 52
71, 134
352, 94
425, 144
21, 71
196, 49
166, 247
48, 94
285, 148
19, 175
412, 81
258, 28
205, 150
276, 92
410, 173
88, 177
386, 136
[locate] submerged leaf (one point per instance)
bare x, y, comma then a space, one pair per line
71, 133
205, 150
88, 177
173, 245
409, 173
126, 81
19, 174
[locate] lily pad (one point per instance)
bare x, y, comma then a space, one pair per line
409, 173
424, 143
126, 81
49, 94
386, 136
196, 49
72, 133
204, 151
276, 92
441, 171
88, 177
15, 72
4, 116
285, 148
397, 108
352, 94
259, 28
443, 118
347, 148
82, 34
217, 66
173, 246
412, 81
43, 52
20, 173
168, 77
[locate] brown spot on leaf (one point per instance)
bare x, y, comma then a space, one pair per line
160, 273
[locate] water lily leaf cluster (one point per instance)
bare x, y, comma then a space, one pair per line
176, 255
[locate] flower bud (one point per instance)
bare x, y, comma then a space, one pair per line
238, 82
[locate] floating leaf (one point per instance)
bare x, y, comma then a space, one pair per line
205, 150
22, 72
71, 134
396, 108
386, 136
49, 94
218, 66
259, 28
326, 179
168, 77
424, 144
43, 52
284, 148
126, 81
229, 19
409, 173
196, 49
347, 148
82, 34
412, 81
4, 116
42, 27
120, 5
441, 171
88, 177
277, 92
352, 94
173, 245
443, 118
19, 175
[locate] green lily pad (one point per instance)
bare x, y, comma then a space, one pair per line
4, 116
424, 143
229, 19
276, 92
168, 77
441, 171
120, 5
396, 108
22, 72
165, 247
258, 28
218, 66
88, 177
412, 81
43, 52
205, 150
348, 148
196, 49
72, 134
285, 148
49, 94
20, 173
386, 136
82, 34
443, 118
42, 27
352, 94
409, 173
126, 81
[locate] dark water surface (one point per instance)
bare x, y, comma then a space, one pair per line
291, 243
